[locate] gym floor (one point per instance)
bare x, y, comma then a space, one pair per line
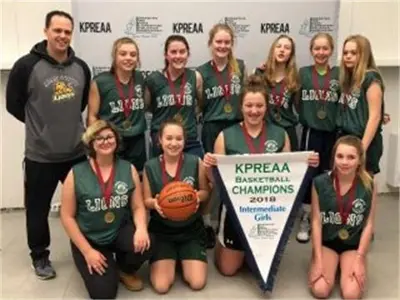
19, 281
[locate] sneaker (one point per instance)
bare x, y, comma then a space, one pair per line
43, 268
303, 235
210, 237
131, 281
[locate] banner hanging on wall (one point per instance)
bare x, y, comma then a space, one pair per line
256, 25
260, 193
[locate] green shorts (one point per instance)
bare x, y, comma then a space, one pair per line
189, 250
374, 154
133, 149
211, 130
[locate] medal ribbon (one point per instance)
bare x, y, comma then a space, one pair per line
164, 170
325, 86
226, 85
126, 103
345, 211
278, 101
249, 140
181, 89
106, 189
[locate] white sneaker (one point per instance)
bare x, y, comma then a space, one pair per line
303, 235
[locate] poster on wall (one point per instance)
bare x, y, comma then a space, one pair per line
256, 25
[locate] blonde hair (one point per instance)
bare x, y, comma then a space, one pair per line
325, 35
233, 64
353, 141
350, 80
93, 130
292, 76
117, 44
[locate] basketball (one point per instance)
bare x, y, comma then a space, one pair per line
178, 200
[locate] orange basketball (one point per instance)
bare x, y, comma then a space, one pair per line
178, 200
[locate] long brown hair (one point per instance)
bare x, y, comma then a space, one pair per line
233, 64
350, 80
292, 76
169, 40
118, 43
362, 173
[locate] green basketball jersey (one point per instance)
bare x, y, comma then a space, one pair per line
112, 106
235, 140
354, 107
178, 230
278, 106
329, 210
163, 102
90, 202
213, 92
314, 98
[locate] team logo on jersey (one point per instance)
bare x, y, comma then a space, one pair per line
271, 146
63, 91
359, 206
188, 88
121, 188
235, 79
138, 91
334, 85
189, 179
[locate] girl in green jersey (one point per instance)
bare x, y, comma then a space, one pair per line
223, 78
175, 93
281, 74
343, 211
361, 105
118, 96
182, 242
253, 135
318, 105
100, 197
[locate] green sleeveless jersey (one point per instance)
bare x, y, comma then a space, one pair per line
235, 140
91, 206
176, 230
278, 106
164, 106
213, 92
315, 98
329, 211
354, 107
112, 106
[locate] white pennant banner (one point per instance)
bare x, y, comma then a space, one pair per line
260, 192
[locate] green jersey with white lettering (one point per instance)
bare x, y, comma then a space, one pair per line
235, 140
166, 104
174, 230
330, 213
91, 206
318, 96
112, 106
280, 104
354, 107
216, 86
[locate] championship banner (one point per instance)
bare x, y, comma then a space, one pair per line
260, 192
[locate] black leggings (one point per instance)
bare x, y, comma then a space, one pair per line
105, 286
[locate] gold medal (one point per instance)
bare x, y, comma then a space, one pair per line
321, 114
277, 116
109, 217
343, 234
126, 124
178, 118
228, 108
